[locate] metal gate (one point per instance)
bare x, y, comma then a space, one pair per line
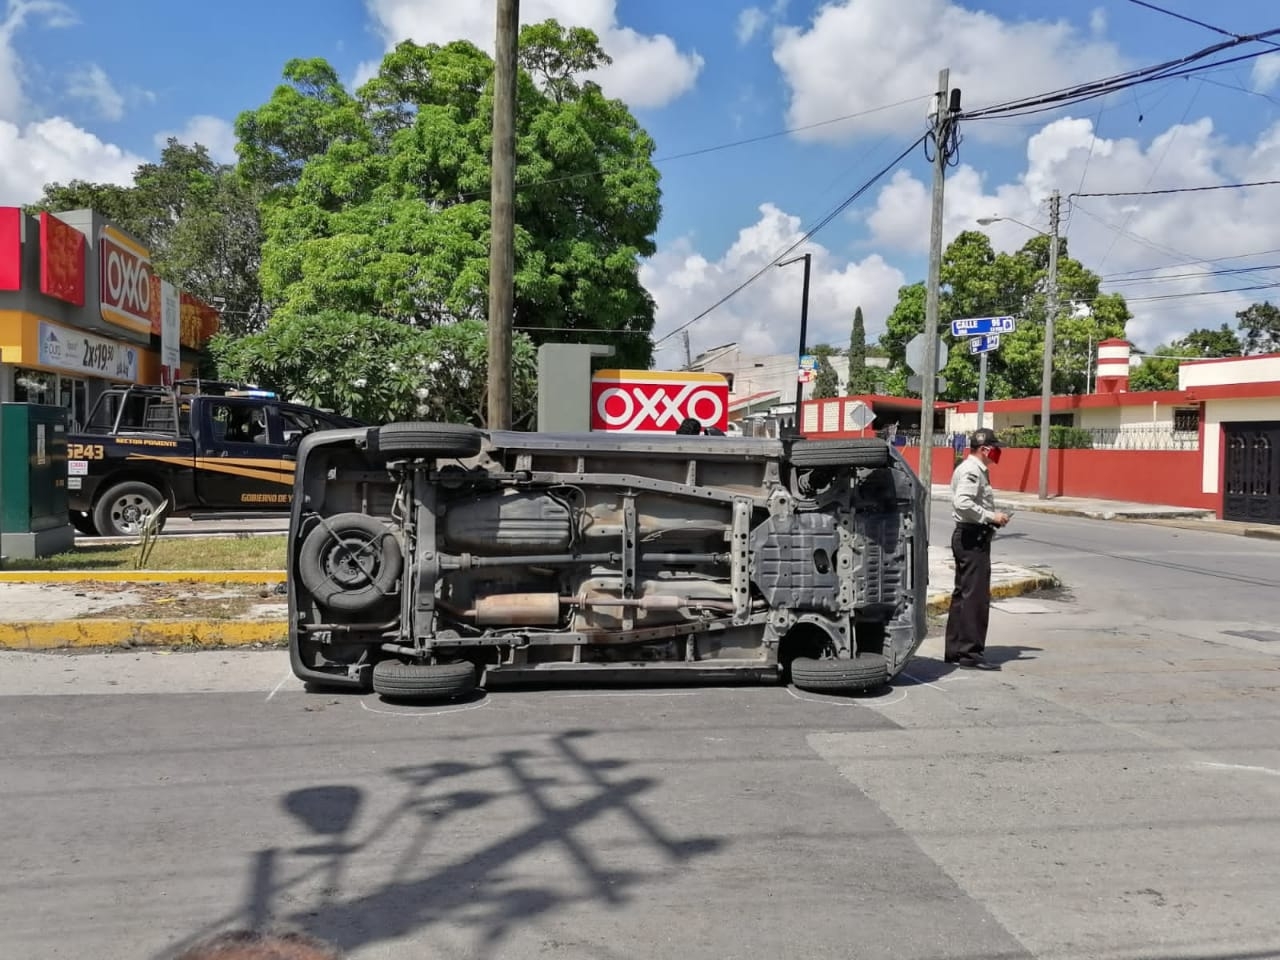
1251, 486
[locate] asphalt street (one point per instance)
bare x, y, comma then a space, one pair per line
1112, 794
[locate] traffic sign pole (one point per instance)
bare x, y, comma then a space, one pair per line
982, 387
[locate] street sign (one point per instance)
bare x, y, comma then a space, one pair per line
859, 415
808, 368
915, 355
915, 383
984, 344
977, 326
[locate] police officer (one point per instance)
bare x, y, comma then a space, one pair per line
973, 507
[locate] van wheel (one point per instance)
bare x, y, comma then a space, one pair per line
124, 509
854, 452
426, 440
867, 671
423, 681
350, 562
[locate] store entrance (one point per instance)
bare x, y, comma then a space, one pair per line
37, 386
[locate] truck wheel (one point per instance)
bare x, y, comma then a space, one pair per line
124, 508
423, 681
854, 452
350, 562
427, 440
867, 671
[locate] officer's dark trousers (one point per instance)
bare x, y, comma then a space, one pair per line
971, 598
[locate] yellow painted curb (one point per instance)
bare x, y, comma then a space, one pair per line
61, 634
142, 576
1000, 591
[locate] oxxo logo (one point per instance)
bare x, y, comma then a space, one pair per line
126, 282
645, 402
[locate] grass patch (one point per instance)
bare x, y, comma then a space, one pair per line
170, 553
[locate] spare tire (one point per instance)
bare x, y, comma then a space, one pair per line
867, 671
350, 562
854, 452
424, 440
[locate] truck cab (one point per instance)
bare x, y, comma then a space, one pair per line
199, 447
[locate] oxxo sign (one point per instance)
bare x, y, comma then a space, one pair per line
656, 401
125, 282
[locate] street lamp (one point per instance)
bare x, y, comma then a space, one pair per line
804, 330
1050, 315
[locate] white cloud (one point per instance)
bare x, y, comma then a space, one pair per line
1098, 21
13, 104
647, 70
1115, 235
764, 318
213, 133
93, 85
859, 54
1266, 71
56, 150
750, 22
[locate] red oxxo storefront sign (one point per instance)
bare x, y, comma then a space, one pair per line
125, 287
656, 401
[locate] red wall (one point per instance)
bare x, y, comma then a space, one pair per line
1169, 477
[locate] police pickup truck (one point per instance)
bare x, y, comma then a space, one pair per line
199, 447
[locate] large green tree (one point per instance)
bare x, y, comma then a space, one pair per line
377, 369
860, 379
978, 282
1260, 324
198, 218
1159, 369
378, 200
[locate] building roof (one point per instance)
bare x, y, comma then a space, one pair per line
751, 399
1134, 398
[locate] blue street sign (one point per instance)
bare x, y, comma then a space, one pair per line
984, 344
977, 326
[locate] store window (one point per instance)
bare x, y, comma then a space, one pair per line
73, 394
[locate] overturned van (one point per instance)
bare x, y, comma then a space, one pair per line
425, 559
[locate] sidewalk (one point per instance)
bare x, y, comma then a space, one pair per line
210, 610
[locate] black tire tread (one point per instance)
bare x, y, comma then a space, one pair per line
438, 681
851, 452
413, 439
98, 515
867, 671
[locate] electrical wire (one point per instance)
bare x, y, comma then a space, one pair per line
839, 209
1192, 20
1153, 193
1188, 263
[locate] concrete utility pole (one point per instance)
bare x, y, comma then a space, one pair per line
502, 188
807, 258
1050, 315
946, 102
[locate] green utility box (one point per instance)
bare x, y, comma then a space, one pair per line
34, 521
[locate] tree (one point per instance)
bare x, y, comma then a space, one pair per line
859, 375
199, 220
378, 200
377, 369
978, 282
1260, 324
826, 383
1157, 371
1212, 343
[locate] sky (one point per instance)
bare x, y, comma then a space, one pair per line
824, 92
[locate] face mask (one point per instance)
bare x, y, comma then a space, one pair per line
993, 454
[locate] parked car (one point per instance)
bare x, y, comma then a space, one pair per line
427, 558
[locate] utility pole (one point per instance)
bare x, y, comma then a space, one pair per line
1050, 315
688, 352
502, 184
804, 333
946, 102
982, 388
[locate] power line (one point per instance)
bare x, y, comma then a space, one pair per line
1152, 193
1162, 277
703, 151
1193, 20
1190, 262
839, 208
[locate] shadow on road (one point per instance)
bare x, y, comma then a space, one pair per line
446, 853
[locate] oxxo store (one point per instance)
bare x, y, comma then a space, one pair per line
81, 308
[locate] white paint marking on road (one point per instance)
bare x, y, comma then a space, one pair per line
434, 713
936, 684
1242, 767
276, 688
839, 703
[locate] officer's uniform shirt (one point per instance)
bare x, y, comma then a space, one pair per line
972, 498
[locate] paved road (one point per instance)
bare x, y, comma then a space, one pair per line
1113, 794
